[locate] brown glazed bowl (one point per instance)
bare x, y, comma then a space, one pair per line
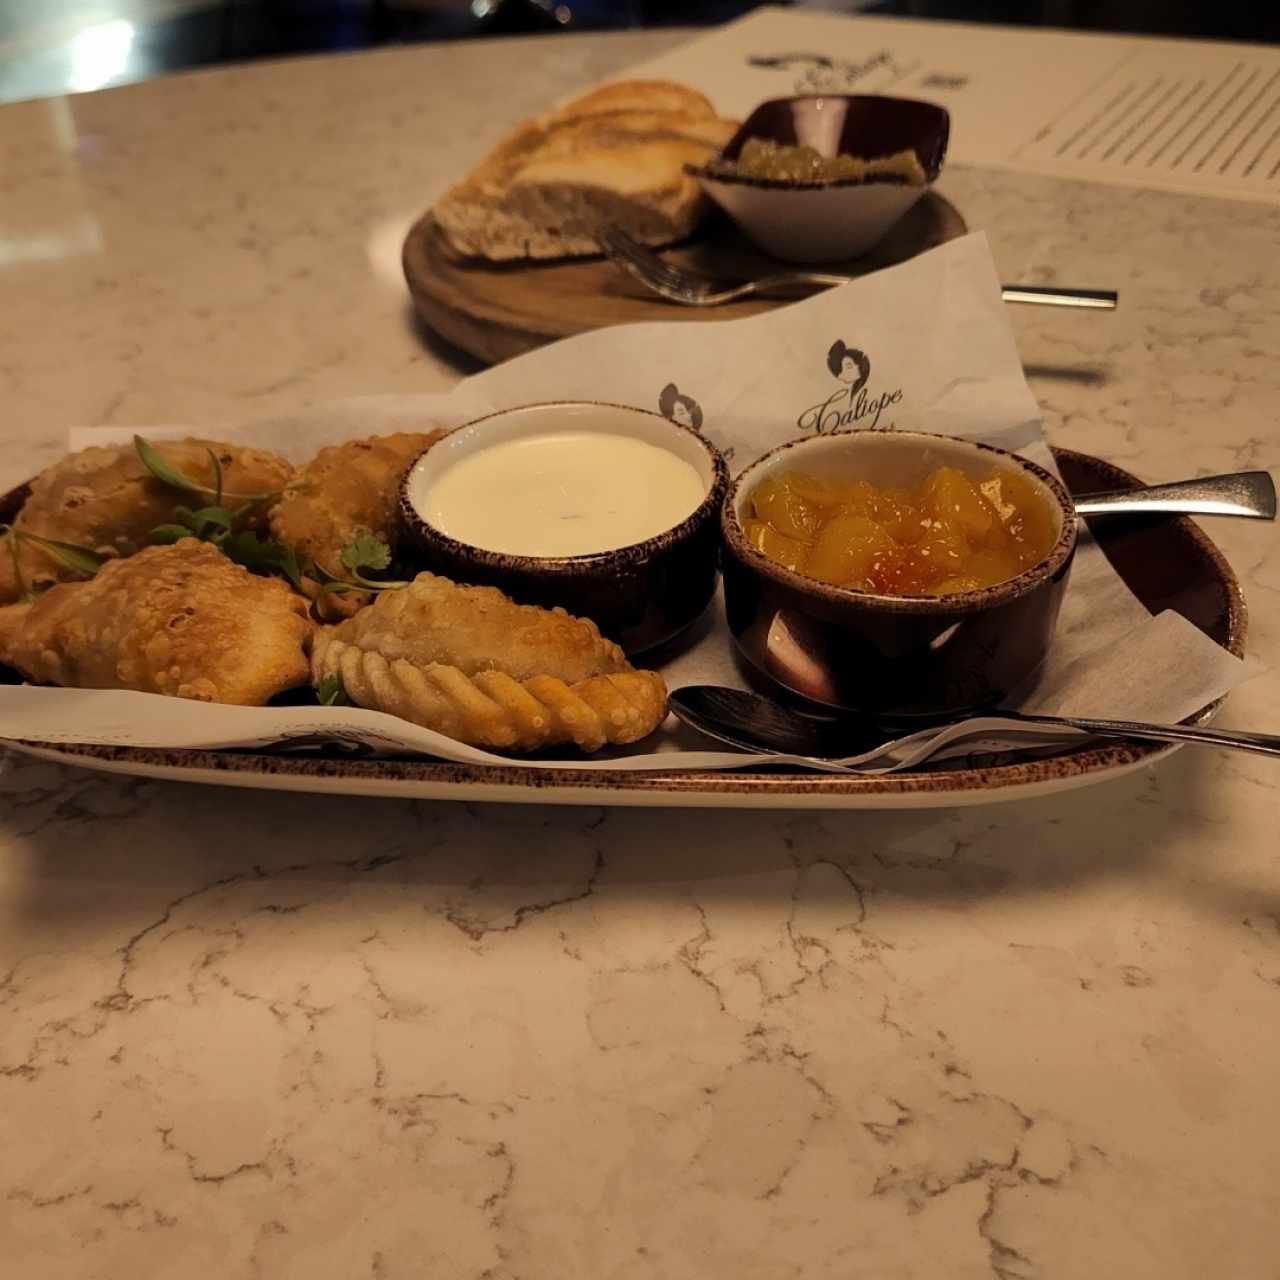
640, 595
891, 656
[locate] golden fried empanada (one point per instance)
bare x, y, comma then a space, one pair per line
343, 490
103, 498
181, 620
471, 664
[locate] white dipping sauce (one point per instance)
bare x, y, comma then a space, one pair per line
564, 493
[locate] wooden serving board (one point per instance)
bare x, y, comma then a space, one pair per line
495, 311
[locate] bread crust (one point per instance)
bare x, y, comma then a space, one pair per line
614, 156
647, 95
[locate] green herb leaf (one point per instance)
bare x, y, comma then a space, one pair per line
25, 594
164, 471
331, 693
210, 522
165, 535
259, 555
365, 551
217, 476
81, 560
175, 478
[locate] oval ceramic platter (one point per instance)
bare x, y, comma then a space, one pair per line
494, 311
1168, 563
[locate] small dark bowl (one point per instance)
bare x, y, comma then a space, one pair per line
838, 218
891, 656
641, 595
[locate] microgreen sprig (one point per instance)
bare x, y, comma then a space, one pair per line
368, 551
330, 692
222, 529
176, 478
217, 523
25, 594
82, 560
365, 553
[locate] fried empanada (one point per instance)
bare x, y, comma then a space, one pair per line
471, 664
181, 620
343, 490
103, 498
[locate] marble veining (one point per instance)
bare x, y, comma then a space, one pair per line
250, 1034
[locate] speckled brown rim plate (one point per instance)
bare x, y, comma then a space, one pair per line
1168, 564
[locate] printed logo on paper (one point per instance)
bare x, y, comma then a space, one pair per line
674, 404
819, 73
679, 408
855, 405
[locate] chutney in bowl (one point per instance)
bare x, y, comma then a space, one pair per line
860, 619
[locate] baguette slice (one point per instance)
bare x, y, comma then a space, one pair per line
640, 95
630, 105
615, 156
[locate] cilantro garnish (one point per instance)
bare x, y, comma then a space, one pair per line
331, 693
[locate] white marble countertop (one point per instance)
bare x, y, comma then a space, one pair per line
247, 1035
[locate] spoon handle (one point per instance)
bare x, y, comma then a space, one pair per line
1251, 494
1051, 296
1042, 295
1263, 744
754, 723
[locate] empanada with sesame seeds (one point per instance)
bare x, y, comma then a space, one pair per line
181, 620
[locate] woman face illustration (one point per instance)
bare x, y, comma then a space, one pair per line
848, 369
681, 413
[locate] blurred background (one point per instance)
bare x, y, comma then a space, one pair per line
61, 46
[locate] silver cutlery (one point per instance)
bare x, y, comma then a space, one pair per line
1249, 494
694, 289
754, 723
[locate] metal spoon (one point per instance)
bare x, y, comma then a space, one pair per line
759, 725
1251, 494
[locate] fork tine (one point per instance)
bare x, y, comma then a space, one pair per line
647, 267
620, 240
656, 268
635, 252
651, 269
624, 248
621, 244
642, 253
641, 273
637, 264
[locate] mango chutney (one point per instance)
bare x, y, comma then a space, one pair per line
946, 535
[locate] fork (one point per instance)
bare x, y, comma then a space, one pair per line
693, 289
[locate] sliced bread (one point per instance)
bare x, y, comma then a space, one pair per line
640, 95
615, 156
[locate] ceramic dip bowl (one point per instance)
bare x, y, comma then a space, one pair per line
892, 656
838, 218
607, 511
